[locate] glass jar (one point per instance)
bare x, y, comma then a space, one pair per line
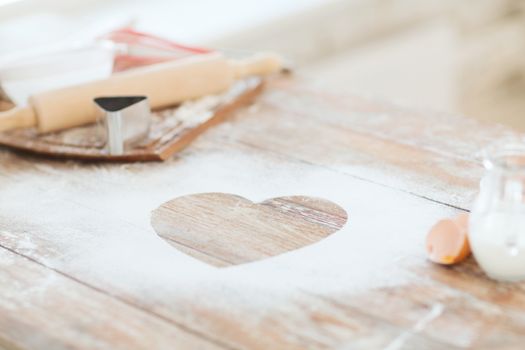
497, 219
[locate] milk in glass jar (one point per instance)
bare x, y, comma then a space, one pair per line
497, 219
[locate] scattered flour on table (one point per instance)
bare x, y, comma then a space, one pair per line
27, 291
93, 222
399, 342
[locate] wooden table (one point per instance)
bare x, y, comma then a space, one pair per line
81, 266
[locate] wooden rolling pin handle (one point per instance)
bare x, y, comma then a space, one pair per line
18, 117
259, 64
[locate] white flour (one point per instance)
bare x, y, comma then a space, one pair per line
93, 222
102, 228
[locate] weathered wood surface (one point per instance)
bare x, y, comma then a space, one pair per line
224, 229
367, 286
43, 309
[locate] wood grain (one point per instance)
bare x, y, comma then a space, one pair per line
224, 229
368, 286
429, 154
307, 326
42, 309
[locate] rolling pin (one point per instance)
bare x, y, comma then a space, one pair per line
165, 84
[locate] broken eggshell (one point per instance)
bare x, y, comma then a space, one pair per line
447, 242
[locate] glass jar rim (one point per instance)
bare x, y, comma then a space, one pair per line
505, 155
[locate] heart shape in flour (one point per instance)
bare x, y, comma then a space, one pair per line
224, 229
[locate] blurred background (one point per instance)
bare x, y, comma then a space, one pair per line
454, 56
